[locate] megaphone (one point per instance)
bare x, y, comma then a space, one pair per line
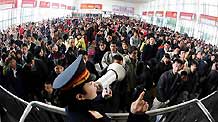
115, 72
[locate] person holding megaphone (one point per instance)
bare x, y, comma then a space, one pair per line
78, 93
111, 81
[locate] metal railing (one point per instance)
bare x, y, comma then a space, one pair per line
124, 115
160, 111
14, 96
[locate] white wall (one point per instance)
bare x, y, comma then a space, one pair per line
107, 4
20, 15
207, 32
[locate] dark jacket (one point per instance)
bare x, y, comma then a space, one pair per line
160, 54
138, 118
71, 55
212, 80
202, 68
210, 83
83, 111
14, 83
34, 78
193, 83
91, 67
62, 48
32, 46
98, 56
56, 58
168, 86
160, 68
149, 52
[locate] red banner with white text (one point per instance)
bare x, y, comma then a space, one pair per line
171, 14
210, 20
28, 4
159, 13
144, 13
69, 7
44, 4
55, 5
90, 6
187, 16
8, 4
63, 6
151, 13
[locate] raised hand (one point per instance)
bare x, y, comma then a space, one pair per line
106, 93
139, 106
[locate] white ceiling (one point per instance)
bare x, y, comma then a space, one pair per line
136, 1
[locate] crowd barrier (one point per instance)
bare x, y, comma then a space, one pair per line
14, 109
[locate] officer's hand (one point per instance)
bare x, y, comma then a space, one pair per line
106, 93
139, 106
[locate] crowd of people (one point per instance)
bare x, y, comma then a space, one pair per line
172, 67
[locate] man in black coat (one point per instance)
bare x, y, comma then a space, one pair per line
161, 67
168, 84
30, 43
34, 74
193, 81
72, 52
211, 82
12, 76
149, 50
89, 33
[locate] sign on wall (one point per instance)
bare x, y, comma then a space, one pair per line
8, 4
69, 7
28, 3
122, 9
151, 13
171, 14
159, 13
144, 13
90, 6
210, 20
187, 16
44, 4
63, 6
55, 5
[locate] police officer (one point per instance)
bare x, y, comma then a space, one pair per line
79, 96
78, 93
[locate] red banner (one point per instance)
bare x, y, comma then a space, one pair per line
28, 3
2, 2
63, 6
90, 6
187, 16
151, 13
208, 17
144, 13
8, 4
171, 14
44, 4
69, 7
210, 20
159, 13
55, 5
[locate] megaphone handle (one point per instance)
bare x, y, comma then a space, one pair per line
108, 90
